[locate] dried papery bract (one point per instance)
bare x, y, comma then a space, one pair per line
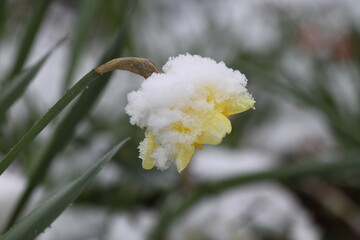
139, 66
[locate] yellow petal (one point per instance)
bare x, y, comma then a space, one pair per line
215, 129
198, 146
183, 157
146, 148
237, 104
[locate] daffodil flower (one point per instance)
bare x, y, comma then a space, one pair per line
185, 107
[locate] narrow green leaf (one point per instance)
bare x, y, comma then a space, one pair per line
65, 130
287, 173
2, 16
42, 217
271, 80
320, 105
14, 89
87, 11
46, 119
29, 36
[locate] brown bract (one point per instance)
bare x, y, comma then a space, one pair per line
139, 66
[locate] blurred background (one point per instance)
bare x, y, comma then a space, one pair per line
301, 58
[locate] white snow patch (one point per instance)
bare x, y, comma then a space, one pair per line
179, 96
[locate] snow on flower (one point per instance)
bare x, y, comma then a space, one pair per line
185, 107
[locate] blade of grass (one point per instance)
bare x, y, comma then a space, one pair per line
87, 11
14, 89
42, 217
288, 173
65, 130
334, 120
345, 128
312, 101
46, 119
31, 31
2, 17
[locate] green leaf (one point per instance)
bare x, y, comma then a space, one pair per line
31, 31
42, 217
46, 119
347, 161
87, 11
65, 130
14, 89
2, 17
271, 80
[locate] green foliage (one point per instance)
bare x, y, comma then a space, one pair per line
2, 16
46, 119
31, 31
41, 218
170, 195
15, 88
65, 129
88, 9
283, 174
